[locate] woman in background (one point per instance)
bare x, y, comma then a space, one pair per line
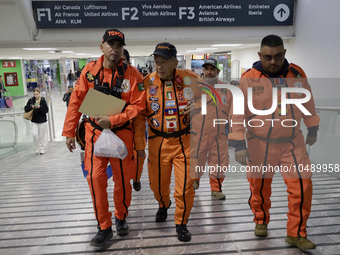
39, 119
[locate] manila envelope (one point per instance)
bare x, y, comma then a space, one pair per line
97, 103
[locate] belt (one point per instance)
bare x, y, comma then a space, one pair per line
271, 140
168, 135
114, 130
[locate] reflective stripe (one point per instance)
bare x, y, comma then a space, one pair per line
94, 196
263, 177
301, 189
123, 183
185, 180
159, 173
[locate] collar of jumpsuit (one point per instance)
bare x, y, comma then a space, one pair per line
258, 66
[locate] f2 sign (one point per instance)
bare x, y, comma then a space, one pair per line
238, 100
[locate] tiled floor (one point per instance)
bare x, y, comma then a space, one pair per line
46, 208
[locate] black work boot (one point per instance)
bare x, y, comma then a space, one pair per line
137, 186
101, 237
121, 227
162, 213
183, 233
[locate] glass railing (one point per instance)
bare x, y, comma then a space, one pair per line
16, 135
15, 132
326, 149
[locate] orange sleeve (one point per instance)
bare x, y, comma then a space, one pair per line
77, 97
236, 124
197, 92
137, 101
139, 131
314, 119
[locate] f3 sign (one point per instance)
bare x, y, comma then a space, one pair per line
238, 100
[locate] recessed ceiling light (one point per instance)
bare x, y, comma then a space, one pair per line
67, 51
192, 51
203, 49
225, 45
39, 48
83, 54
51, 51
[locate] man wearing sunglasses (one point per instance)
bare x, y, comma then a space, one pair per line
274, 146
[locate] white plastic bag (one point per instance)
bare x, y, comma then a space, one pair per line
110, 145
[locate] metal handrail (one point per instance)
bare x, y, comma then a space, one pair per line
330, 109
20, 113
11, 113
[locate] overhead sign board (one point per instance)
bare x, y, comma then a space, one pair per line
108, 14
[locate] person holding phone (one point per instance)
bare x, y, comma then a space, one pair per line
39, 119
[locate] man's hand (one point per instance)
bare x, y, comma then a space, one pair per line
190, 111
141, 153
241, 156
103, 121
71, 143
311, 140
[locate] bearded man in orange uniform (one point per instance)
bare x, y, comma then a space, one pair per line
109, 75
275, 140
211, 141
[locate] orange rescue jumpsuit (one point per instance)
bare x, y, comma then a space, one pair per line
289, 152
139, 143
130, 88
212, 141
169, 140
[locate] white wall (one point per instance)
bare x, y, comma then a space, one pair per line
246, 57
317, 33
316, 46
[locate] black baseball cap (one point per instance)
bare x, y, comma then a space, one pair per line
113, 34
165, 50
211, 61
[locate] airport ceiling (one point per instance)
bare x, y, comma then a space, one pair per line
84, 43
73, 50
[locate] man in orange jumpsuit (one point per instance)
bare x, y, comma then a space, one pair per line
275, 140
139, 138
168, 95
109, 75
212, 141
